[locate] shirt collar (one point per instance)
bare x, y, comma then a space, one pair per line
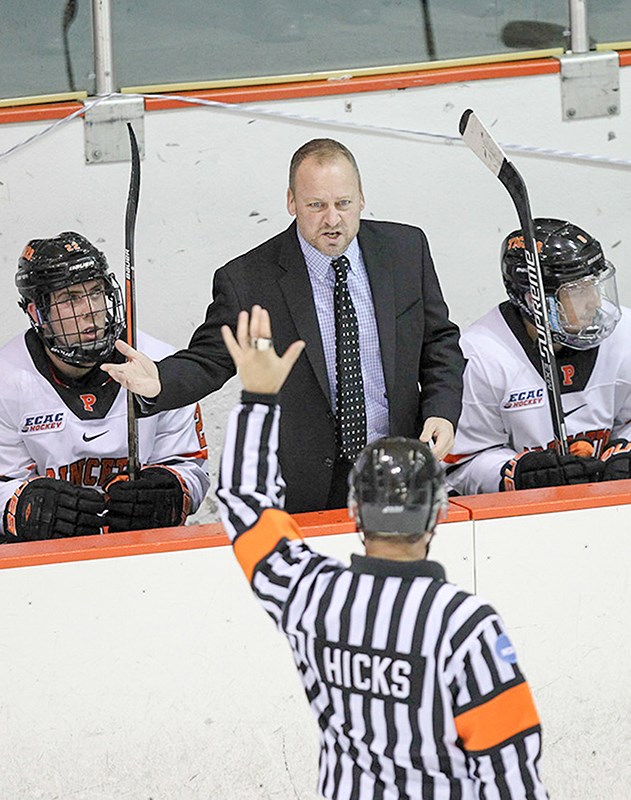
386, 568
319, 264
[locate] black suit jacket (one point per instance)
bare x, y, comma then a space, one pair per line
419, 345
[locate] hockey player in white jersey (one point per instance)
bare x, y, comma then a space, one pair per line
505, 438
414, 683
63, 421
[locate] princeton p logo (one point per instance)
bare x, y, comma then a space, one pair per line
88, 401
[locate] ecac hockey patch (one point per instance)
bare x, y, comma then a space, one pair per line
524, 398
504, 649
43, 423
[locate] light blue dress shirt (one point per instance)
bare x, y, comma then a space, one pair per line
322, 277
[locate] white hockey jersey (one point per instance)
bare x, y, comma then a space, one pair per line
78, 431
505, 402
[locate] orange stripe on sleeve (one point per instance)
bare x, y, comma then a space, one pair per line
253, 545
451, 458
497, 720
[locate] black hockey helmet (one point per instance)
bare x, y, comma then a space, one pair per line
47, 266
397, 487
572, 265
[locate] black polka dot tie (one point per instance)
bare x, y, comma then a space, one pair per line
351, 407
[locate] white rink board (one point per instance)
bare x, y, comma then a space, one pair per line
158, 676
562, 583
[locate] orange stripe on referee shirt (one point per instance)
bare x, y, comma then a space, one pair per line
253, 545
497, 720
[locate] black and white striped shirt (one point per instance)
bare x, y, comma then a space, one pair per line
413, 682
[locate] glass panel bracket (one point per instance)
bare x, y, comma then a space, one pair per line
105, 128
590, 84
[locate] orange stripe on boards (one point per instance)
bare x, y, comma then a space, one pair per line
314, 88
371, 83
545, 500
112, 545
253, 545
497, 720
334, 521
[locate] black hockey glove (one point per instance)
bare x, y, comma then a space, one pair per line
157, 499
534, 469
47, 508
616, 460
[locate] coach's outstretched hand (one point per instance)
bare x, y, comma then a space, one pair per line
139, 373
261, 370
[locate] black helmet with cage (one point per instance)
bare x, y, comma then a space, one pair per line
579, 282
397, 487
79, 329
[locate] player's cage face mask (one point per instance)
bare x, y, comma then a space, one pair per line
583, 313
81, 322
397, 487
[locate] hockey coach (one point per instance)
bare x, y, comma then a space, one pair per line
414, 683
365, 298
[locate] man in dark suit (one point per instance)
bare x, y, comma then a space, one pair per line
405, 337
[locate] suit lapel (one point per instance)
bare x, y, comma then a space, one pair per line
296, 288
380, 274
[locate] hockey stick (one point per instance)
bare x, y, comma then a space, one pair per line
491, 154
70, 12
130, 293
430, 44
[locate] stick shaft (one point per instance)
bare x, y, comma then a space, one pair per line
130, 293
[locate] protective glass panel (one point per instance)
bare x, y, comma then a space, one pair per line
46, 48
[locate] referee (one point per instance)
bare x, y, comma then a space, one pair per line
414, 683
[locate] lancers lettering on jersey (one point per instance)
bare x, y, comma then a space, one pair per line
42, 423
369, 672
89, 472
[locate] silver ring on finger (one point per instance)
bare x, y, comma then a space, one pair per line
260, 343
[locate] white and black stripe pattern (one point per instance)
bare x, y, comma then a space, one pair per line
249, 476
390, 655
350, 401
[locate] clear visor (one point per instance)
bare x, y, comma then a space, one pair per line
584, 312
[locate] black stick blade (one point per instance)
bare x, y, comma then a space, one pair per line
464, 119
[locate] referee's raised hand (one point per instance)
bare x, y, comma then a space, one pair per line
261, 369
